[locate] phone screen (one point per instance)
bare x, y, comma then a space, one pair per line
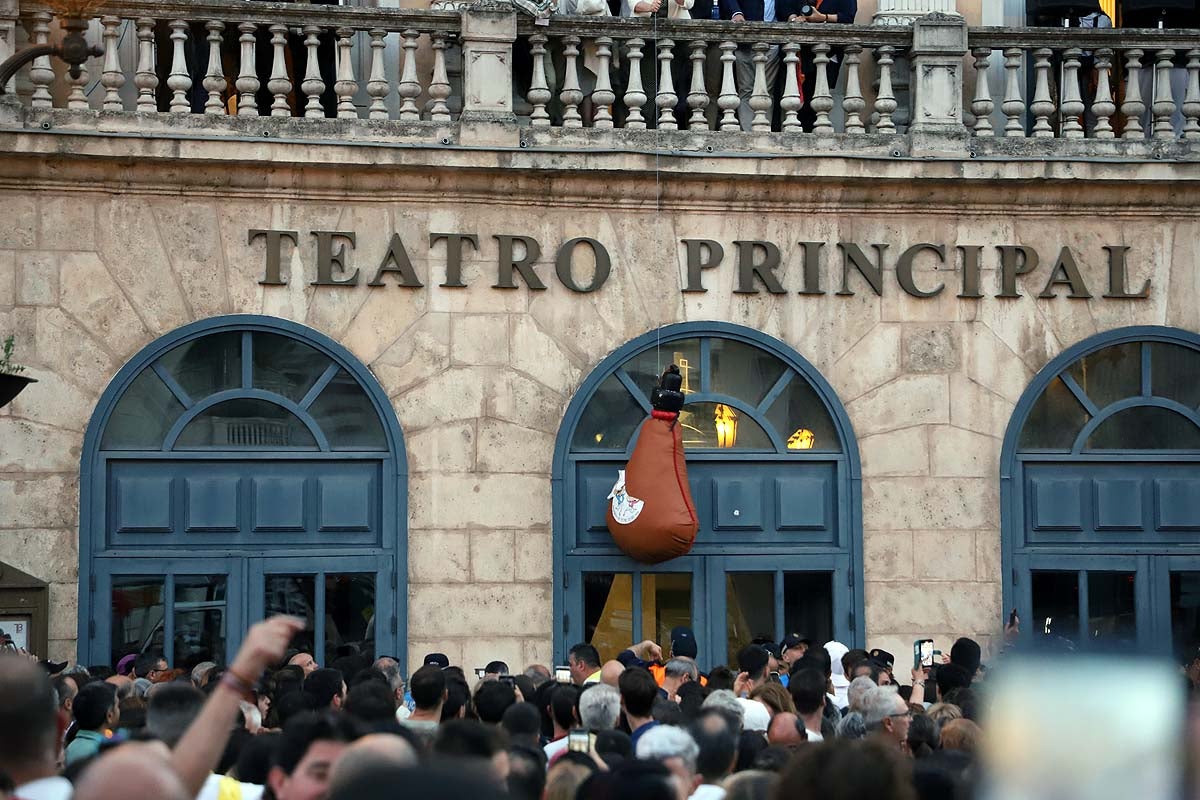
580, 741
562, 674
923, 653
479, 673
1066, 739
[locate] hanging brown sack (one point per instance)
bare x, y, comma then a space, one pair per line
650, 511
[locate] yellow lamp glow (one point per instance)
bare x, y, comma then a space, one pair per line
725, 420
802, 439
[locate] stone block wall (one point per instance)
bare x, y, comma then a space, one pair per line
479, 377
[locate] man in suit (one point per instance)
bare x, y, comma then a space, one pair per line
743, 65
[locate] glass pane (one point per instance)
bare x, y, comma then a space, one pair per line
645, 368
295, 595
1112, 610
608, 612
808, 605
246, 423
1175, 373
1054, 421
347, 417
349, 616
1145, 428
208, 365
743, 371
143, 415
749, 610
609, 420
199, 620
1185, 613
666, 603
716, 425
137, 615
286, 366
802, 419
1055, 607
1111, 374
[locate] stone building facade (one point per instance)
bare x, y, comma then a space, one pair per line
113, 240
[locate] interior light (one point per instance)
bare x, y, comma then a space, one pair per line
725, 420
802, 439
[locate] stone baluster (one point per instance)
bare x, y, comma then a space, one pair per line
982, 105
760, 96
1164, 100
41, 72
1133, 107
885, 98
279, 85
410, 87
1191, 100
666, 97
571, 95
377, 84
1013, 105
790, 102
313, 84
728, 100
112, 77
77, 99
247, 82
635, 92
439, 84
145, 78
345, 86
1103, 106
853, 103
1042, 105
1071, 108
214, 75
603, 96
697, 98
180, 80
822, 99
539, 91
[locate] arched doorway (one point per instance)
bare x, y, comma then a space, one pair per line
1100, 491
774, 472
235, 468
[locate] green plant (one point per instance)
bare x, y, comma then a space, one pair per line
7, 367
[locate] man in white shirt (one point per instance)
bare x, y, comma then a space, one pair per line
31, 729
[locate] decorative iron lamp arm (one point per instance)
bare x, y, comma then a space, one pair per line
74, 50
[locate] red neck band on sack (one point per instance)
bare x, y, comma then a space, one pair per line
670, 416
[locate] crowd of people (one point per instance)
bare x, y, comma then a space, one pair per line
793, 719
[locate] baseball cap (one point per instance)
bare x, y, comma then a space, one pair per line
496, 668
767, 644
882, 657
437, 660
967, 654
683, 642
752, 659
794, 640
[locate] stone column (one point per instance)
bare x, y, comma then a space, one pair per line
489, 29
12, 110
939, 44
905, 13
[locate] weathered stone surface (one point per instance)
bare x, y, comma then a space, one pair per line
888, 556
439, 556
33, 447
49, 554
191, 235
67, 223
129, 242
480, 651
539, 355
945, 556
987, 556
495, 609
493, 556
42, 501
479, 501
974, 407
446, 448
963, 454
535, 555
90, 295
8, 278
65, 598
539, 651
902, 452
955, 607
872, 362
455, 395
514, 398
930, 348
418, 647
20, 228
479, 339
991, 363
919, 504
418, 354
504, 447
55, 402
78, 356
37, 278
906, 401
388, 315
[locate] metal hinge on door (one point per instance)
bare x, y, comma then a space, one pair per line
393, 623
566, 623
566, 580
1014, 576
851, 621
850, 577
91, 629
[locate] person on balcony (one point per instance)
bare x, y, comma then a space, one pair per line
680, 64
739, 11
824, 12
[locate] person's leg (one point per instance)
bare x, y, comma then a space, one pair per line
743, 75
773, 70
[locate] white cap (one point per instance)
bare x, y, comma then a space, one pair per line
755, 716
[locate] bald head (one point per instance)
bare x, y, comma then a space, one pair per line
610, 673
132, 770
785, 729
368, 754
29, 721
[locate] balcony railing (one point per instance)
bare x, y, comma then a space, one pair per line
485, 74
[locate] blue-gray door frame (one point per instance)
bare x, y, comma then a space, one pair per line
568, 621
392, 551
1151, 562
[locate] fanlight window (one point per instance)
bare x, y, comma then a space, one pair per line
1129, 396
738, 398
244, 390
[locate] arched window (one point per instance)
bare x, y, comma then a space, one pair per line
771, 462
1101, 495
236, 468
